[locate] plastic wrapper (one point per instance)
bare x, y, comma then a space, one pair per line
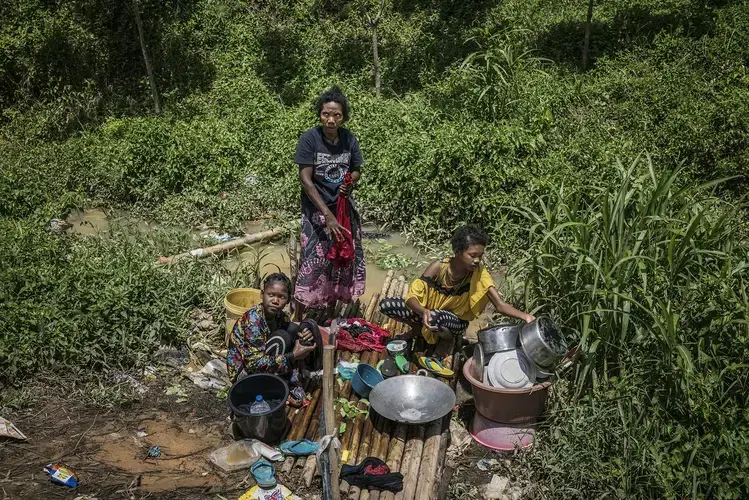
62, 474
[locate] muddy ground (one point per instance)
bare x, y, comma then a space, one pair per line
107, 447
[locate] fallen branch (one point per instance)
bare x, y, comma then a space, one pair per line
224, 247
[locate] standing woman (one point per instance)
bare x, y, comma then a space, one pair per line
325, 155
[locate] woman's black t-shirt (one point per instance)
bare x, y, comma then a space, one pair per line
329, 162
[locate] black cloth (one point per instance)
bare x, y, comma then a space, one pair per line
330, 163
372, 472
315, 360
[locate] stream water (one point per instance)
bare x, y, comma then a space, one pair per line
393, 250
390, 252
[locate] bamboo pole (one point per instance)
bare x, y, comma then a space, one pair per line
328, 412
224, 247
382, 451
376, 438
441, 455
378, 317
395, 455
300, 425
411, 462
372, 306
309, 464
350, 438
397, 291
428, 468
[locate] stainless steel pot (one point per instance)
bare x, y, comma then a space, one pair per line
542, 343
499, 338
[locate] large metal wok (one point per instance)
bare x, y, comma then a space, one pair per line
412, 399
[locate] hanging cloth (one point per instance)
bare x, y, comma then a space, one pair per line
341, 252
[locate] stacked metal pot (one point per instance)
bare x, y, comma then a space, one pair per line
518, 356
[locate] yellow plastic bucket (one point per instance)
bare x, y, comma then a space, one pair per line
236, 303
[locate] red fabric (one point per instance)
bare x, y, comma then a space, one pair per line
341, 252
380, 470
374, 341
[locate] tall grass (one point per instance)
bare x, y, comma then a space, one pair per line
649, 278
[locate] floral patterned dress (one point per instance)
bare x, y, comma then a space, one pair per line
247, 345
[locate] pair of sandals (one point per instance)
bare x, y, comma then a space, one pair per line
390, 366
435, 366
264, 471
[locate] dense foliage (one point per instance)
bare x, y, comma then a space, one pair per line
651, 280
76, 304
486, 116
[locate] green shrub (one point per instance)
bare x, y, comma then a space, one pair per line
88, 303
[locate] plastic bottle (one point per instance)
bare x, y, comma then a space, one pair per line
259, 406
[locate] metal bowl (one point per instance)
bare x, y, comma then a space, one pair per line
412, 399
499, 338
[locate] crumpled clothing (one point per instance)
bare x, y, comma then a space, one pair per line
372, 472
370, 337
341, 252
297, 396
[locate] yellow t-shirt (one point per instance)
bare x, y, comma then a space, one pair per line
466, 299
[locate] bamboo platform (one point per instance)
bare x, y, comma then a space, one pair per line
417, 451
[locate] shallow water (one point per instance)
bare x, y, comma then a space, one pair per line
274, 256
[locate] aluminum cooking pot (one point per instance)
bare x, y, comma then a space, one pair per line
499, 338
542, 342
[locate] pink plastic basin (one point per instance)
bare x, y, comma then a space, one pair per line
508, 406
502, 437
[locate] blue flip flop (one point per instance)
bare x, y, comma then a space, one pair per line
264, 473
299, 448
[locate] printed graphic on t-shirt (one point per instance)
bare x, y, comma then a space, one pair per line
332, 168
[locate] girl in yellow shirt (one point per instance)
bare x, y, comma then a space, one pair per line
451, 292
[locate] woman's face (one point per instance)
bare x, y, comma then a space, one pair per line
275, 298
471, 257
331, 116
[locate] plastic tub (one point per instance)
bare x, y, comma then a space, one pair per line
236, 303
509, 406
364, 379
267, 427
502, 437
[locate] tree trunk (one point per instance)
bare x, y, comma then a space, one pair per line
376, 57
146, 59
586, 44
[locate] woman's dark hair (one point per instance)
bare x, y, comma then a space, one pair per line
333, 94
468, 235
278, 278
